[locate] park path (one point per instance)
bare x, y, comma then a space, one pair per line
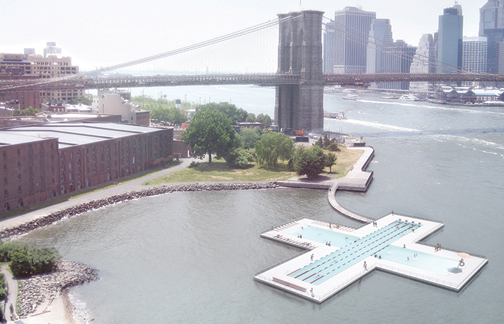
12, 292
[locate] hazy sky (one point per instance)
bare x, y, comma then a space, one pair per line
106, 32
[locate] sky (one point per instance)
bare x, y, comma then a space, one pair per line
100, 33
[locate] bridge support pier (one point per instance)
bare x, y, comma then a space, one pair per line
300, 52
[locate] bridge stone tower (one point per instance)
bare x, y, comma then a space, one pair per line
300, 106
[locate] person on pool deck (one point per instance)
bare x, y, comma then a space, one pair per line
365, 265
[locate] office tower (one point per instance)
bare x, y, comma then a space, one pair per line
450, 40
380, 36
492, 27
474, 56
397, 59
424, 61
346, 45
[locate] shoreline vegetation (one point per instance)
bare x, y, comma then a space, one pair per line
219, 170
37, 299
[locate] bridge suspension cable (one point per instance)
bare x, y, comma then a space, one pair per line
181, 50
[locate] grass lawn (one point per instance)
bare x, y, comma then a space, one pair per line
346, 159
220, 171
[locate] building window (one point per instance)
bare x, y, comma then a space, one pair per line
70, 166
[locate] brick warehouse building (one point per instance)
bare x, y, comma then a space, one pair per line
45, 161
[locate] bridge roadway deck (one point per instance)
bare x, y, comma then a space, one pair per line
357, 179
83, 81
419, 265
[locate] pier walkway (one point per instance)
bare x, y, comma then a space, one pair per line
357, 179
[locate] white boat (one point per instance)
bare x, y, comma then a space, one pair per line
351, 96
409, 97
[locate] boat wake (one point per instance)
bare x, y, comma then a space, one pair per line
381, 126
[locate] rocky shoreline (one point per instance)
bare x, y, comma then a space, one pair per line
94, 204
38, 289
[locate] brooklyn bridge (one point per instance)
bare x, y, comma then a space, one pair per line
299, 79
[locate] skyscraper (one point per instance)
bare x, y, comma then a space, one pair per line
346, 43
397, 58
450, 40
492, 27
474, 56
423, 62
380, 36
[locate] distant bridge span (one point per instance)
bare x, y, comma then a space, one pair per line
265, 79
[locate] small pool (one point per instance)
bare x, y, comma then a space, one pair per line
422, 260
323, 236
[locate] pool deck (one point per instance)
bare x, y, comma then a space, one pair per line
277, 276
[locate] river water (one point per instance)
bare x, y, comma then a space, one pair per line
191, 257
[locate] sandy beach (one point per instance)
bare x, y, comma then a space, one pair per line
57, 311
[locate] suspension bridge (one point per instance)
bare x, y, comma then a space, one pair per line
299, 79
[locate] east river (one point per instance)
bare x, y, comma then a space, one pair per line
191, 257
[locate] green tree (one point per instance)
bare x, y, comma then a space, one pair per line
9, 248
210, 132
20, 264
175, 116
42, 260
330, 160
231, 111
87, 100
333, 147
273, 146
251, 118
249, 137
265, 119
30, 111
319, 142
240, 158
159, 112
326, 141
310, 161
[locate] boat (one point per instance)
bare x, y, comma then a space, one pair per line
390, 97
409, 97
351, 96
340, 115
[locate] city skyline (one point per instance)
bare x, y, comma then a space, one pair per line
101, 34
